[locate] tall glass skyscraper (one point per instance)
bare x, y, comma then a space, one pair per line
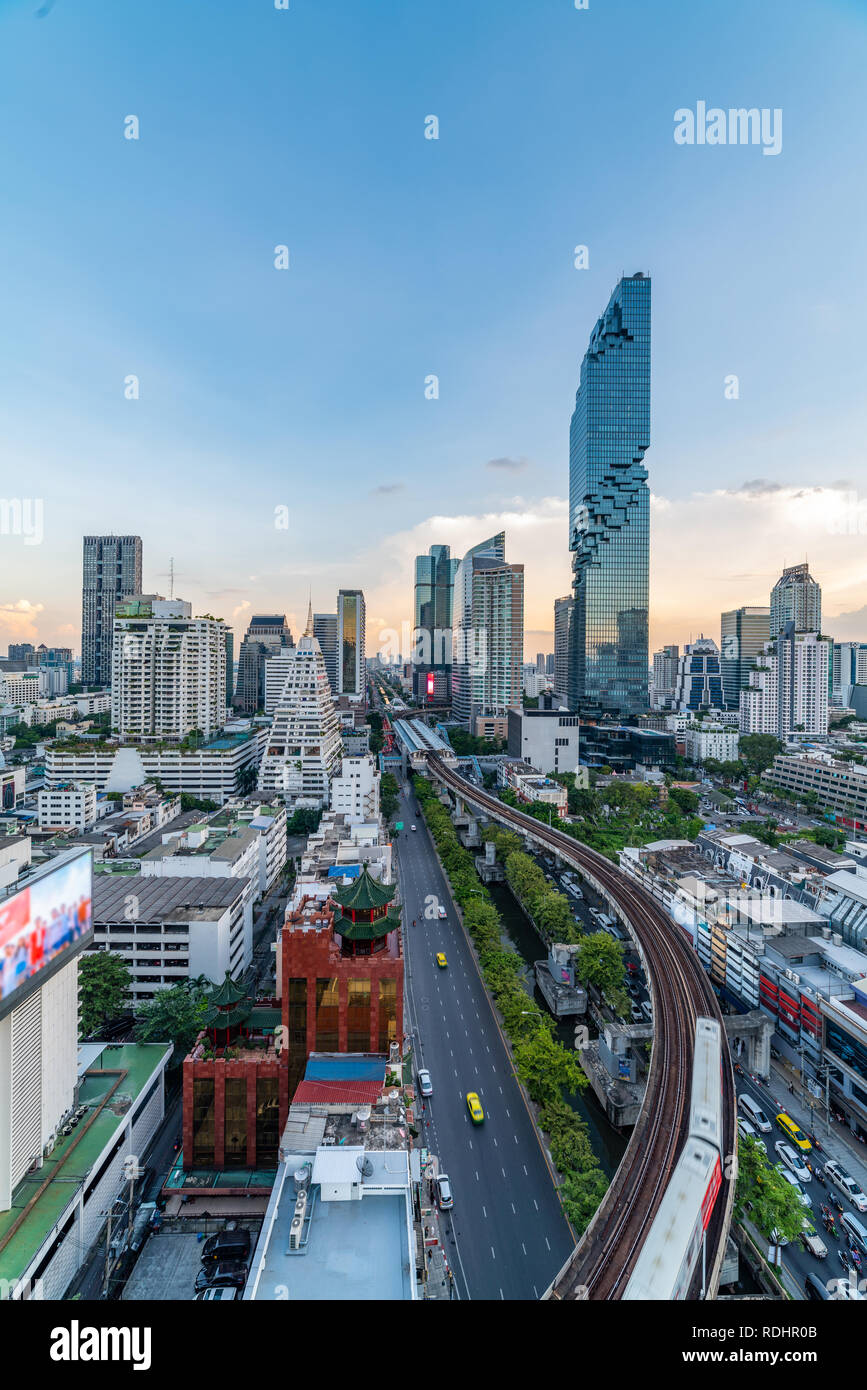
432, 638
609, 509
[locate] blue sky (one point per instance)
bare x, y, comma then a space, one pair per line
305, 388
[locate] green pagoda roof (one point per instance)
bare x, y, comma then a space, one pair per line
364, 893
367, 928
226, 993
226, 1018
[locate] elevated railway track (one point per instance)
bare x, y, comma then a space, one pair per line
681, 993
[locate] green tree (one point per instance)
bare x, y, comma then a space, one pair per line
599, 962
581, 1194
763, 1194
546, 1068
389, 794
103, 983
758, 750
174, 1015
197, 803
686, 800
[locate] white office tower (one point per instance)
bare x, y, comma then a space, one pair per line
355, 789
788, 691
488, 635
304, 745
351, 660
168, 670
849, 669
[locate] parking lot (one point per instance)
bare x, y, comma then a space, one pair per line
166, 1268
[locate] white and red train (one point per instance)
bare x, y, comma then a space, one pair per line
665, 1266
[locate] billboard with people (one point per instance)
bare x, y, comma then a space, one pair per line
42, 925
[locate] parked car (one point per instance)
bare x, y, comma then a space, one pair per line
218, 1294
445, 1200
425, 1085
231, 1244
793, 1161
636, 1015
229, 1272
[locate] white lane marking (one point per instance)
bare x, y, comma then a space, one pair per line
535, 1204
547, 1242
493, 1253
526, 1174
485, 1213
512, 1205
523, 1247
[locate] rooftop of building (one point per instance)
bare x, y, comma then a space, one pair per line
352, 1251
109, 1086
158, 898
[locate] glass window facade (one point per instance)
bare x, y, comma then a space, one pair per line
609, 509
358, 1016
203, 1121
235, 1123
267, 1121
387, 1014
847, 1048
327, 1016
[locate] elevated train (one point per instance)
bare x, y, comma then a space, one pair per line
666, 1264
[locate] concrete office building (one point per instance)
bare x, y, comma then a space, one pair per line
304, 745
111, 572
488, 654
744, 633
267, 635
545, 738
325, 632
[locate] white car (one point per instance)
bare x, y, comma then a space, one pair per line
790, 1178
441, 913
412, 827
748, 1131
445, 1200
840, 1178
793, 1161
425, 1085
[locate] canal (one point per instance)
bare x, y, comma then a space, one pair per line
608, 1144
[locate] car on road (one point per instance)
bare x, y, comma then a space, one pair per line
412, 827
441, 960
748, 1131
797, 1136
836, 1174
223, 1294
793, 1181
445, 1200
474, 1105
441, 913
793, 1161
425, 1085
754, 1112
228, 1273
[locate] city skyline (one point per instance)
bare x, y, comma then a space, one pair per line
288, 380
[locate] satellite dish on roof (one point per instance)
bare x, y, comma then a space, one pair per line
364, 1113
364, 1166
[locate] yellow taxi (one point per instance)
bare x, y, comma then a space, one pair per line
441, 960
474, 1105
797, 1136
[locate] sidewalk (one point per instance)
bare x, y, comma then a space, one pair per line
809, 1112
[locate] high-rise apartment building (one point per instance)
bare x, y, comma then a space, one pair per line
351, 662
325, 632
788, 691
563, 610
267, 634
744, 633
168, 670
487, 668
796, 598
433, 602
304, 744
609, 509
664, 678
111, 572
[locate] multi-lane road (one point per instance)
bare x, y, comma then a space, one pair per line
506, 1236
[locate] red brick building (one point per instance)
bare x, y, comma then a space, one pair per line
341, 967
